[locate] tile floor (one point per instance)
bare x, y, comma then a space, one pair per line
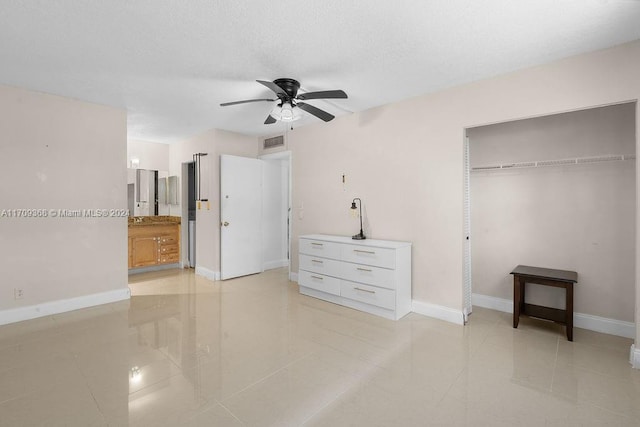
185, 351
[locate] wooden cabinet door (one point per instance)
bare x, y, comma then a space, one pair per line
145, 251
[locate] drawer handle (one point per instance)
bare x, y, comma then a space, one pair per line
364, 269
317, 260
316, 244
316, 277
364, 252
365, 290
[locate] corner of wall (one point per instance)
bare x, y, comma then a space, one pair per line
208, 274
438, 311
634, 357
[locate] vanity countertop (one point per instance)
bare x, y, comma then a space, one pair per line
153, 220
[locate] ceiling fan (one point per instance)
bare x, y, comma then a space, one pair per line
289, 101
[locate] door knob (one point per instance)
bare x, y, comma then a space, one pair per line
226, 224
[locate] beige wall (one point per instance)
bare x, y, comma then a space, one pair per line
578, 217
151, 155
214, 142
58, 153
405, 160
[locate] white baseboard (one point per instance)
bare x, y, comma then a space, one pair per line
580, 320
270, 265
139, 270
60, 306
438, 311
604, 325
498, 304
293, 276
209, 274
634, 357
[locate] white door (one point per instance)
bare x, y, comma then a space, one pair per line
240, 216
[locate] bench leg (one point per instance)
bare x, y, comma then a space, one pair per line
569, 311
518, 297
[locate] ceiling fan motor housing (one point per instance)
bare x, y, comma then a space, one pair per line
290, 86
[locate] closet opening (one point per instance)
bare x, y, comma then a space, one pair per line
559, 192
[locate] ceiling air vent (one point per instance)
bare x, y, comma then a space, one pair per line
276, 141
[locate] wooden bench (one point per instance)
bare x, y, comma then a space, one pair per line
548, 277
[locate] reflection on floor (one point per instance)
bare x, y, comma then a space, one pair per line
252, 351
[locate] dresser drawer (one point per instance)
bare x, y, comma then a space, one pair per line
315, 264
319, 282
379, 257
380, 297
320, 248
367, 274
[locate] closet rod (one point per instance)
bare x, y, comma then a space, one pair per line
558, 162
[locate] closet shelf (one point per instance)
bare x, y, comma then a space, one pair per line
558, 162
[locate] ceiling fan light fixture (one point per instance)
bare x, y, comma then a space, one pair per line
285, 113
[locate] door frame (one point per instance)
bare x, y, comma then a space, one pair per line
467, 279
287, 157
184, 214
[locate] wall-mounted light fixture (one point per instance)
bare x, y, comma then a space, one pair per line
135, 374
359, 236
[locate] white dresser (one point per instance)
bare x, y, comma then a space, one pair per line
368, 275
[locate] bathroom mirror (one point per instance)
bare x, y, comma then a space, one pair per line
172, 190
150, 192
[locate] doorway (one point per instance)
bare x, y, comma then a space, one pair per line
277, 210
255, 207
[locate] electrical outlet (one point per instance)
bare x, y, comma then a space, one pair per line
18, 293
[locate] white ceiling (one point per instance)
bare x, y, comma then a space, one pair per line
171, 63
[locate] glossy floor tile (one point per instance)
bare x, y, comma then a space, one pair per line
185, 351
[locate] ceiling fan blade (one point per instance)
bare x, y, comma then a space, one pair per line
269, 120
244, 102
323, 94
274, 87
321, 114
